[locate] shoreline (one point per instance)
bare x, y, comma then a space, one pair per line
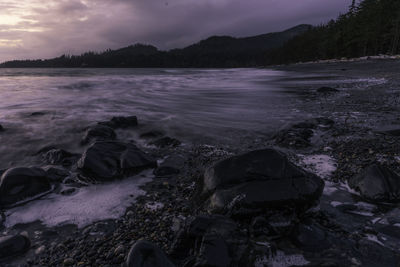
352, 143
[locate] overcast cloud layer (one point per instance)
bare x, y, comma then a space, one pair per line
43, 29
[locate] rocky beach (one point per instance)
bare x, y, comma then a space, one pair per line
316, 184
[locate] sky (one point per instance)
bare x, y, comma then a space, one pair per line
31, 29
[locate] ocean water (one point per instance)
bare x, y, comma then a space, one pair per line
193, 105
41, 107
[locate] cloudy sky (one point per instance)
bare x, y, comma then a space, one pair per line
48, 28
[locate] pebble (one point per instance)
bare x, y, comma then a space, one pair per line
68, 262
119, 250
40, 250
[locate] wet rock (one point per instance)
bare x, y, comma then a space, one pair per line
98, 133
20, 183
146, 254
377, 183
121, 122
170, 166
105, 161
11, 246
151, 134
166, 142
310, 237
257, 182
68, 262
327, 90
59, 157
209, 241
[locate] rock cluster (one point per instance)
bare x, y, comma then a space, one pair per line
105, 161
299, 134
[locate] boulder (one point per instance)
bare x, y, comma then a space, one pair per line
327, 90
11, 246
121, 122
21, 183
107, 160
1, 128
257, 182
377, 183
166, 142
146, 254
170, 166
98, 133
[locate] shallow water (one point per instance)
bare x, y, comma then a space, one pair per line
194, 105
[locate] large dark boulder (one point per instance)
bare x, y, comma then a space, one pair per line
1, 128
98, 133
121, 122
105, 161
21, 183
146, 254
377, 183
11, 246
258, 181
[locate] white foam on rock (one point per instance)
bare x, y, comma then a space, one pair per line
89, 204
321, 165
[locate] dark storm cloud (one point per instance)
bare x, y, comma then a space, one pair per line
75, 26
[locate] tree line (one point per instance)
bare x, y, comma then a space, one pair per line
370, 27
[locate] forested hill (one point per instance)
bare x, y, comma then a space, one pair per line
216, 51
370, 27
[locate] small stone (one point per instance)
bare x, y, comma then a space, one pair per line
119, 250
68, 262
40, 250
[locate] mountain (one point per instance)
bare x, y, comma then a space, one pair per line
216, 51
